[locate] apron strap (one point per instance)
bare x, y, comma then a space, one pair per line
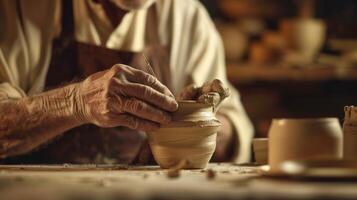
67, 20
152, 36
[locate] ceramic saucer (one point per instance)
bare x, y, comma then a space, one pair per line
334, 170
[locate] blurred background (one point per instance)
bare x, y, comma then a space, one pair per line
289, 58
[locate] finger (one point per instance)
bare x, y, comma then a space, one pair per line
139, 76
189, 93
147, 94
146, 111
134, 122
217, 86
206, 88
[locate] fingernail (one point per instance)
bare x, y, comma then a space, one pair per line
172, 103
175, 105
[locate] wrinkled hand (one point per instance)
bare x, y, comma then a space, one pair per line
211, 92
124, 96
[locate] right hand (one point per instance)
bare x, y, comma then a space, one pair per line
124, 96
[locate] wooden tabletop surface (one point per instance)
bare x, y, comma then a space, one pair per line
217, 181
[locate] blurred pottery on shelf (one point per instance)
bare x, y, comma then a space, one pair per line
234, 40
269, 50
273, 40
191, 136
306, 36
261, 53
304, 139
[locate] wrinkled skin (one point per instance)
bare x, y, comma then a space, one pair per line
124, 96
121, 96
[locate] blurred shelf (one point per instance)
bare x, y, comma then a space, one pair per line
245, 73
257, 8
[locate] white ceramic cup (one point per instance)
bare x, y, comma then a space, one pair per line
304, 139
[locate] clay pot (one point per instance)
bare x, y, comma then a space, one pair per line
304, 139
191, 136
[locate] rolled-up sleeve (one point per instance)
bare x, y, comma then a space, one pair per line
7, 91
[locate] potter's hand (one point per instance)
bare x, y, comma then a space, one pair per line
211, 92
124, 96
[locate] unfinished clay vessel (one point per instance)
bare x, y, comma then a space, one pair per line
191, 136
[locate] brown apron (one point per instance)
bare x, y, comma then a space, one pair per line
72, 60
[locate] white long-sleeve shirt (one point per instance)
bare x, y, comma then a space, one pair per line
27, 29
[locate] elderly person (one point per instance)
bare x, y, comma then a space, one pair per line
74, 86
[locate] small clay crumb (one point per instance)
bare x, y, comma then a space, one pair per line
145, 176
202, 170
226, 172
65, 165
104, 183
173, 173
211, 174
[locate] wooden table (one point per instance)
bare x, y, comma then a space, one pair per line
122, 182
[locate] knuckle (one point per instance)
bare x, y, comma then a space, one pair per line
137, 105
132, 122
151, 80
117, 67
134, 105
146, 91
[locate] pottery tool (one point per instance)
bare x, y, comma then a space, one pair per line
148, 65
151, 71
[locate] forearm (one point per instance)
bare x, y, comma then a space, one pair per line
31, 121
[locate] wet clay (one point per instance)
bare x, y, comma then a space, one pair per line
190, 136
